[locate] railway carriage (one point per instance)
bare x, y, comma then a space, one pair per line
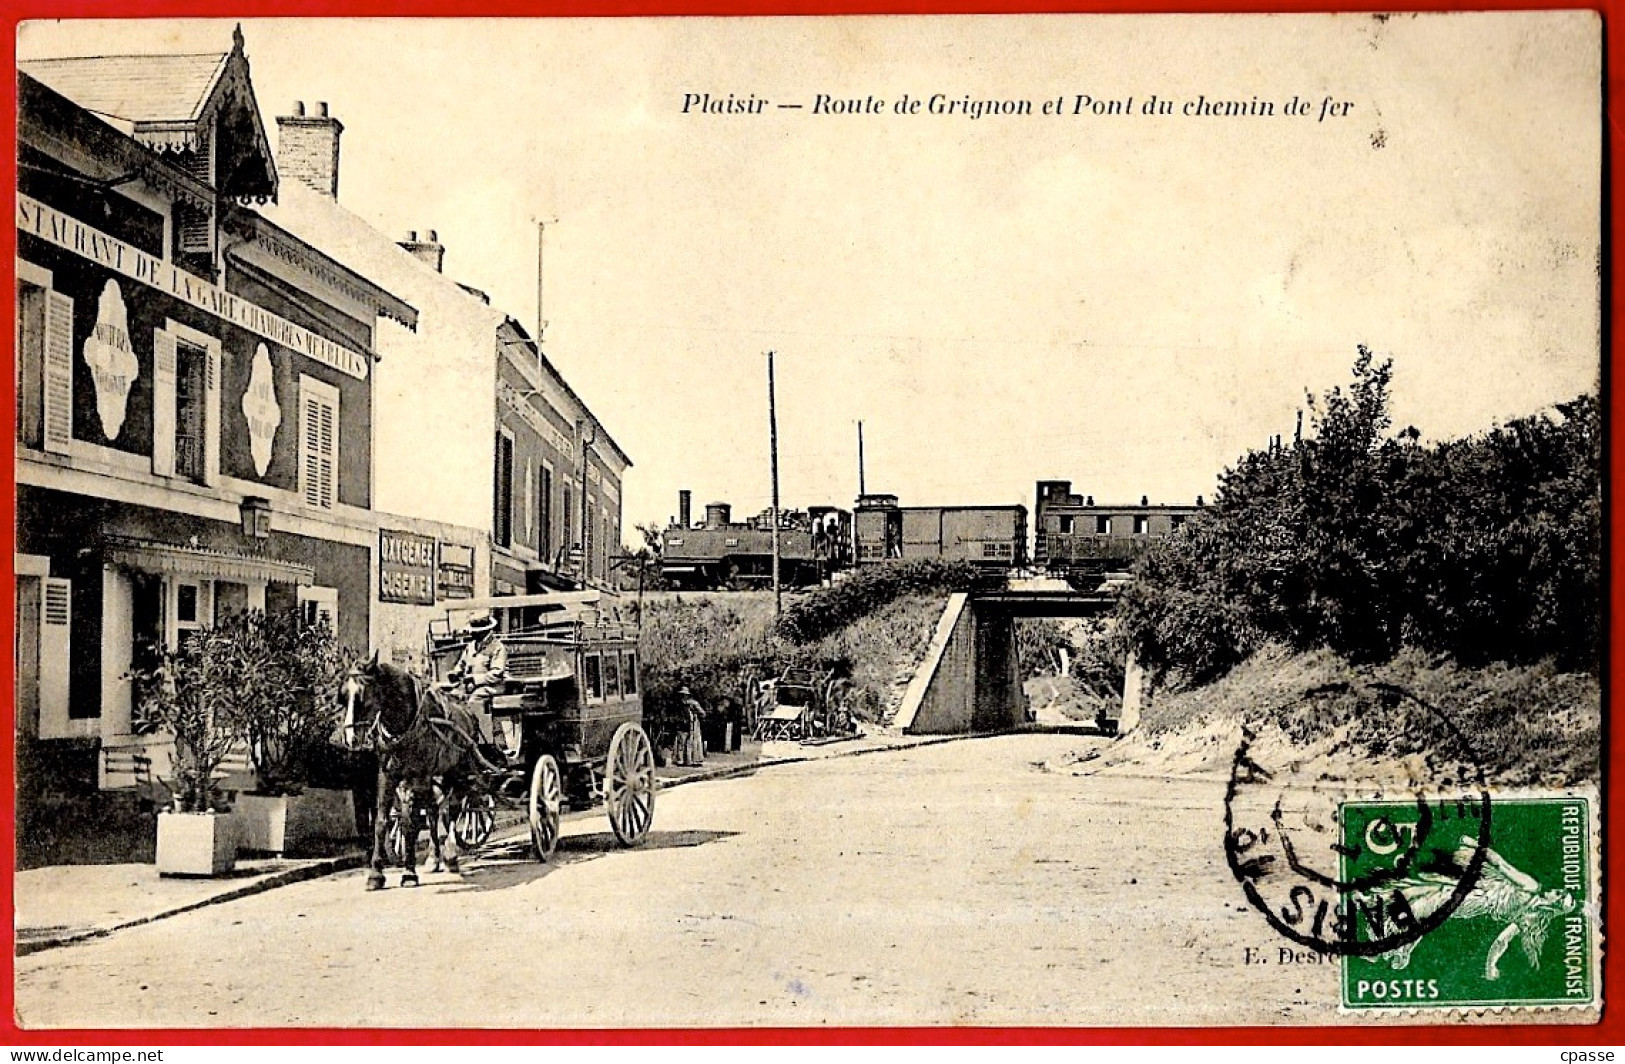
1085, 542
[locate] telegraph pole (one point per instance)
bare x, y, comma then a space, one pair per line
541, 317
773, 451
860, 459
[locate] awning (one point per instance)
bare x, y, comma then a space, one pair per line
213, 564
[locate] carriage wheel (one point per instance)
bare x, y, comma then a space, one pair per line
473, 820
629, 784
546, 799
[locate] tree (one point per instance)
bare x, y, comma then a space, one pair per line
291, 714
1486, 548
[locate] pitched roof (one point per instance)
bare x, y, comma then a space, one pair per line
334, 231
176, 103
132, 89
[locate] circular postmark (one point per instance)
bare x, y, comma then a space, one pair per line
1356, 818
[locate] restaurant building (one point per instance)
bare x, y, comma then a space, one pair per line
195, 391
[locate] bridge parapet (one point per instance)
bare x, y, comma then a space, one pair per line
970, 679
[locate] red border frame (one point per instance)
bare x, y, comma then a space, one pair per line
1611, 1031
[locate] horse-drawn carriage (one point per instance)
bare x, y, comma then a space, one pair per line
571, 700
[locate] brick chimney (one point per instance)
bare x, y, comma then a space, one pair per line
307, 148
428, 251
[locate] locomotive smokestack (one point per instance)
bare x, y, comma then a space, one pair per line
685, 508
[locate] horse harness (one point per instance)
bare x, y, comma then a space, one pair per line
380, 738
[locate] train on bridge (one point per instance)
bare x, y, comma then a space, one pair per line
991, 537
1085, 542
723, 554
1071, 536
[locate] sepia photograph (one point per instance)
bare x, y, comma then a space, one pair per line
763, 523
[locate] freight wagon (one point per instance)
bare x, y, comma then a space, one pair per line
991, 536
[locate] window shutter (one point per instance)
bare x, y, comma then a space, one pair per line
211, 418
524, 503
58, 601
310, 449
196, 230
196, 224
163, 403
329, 440
55, 644
58, 384
503, 516
318, 444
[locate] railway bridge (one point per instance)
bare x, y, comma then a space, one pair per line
970, 679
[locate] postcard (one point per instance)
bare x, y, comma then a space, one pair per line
1069, 521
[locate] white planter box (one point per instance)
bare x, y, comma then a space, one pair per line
288, 824
196, 844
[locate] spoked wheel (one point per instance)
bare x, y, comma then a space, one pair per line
395, 840
546, 799
473, 819
629, 784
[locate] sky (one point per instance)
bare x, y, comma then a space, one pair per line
1128, 301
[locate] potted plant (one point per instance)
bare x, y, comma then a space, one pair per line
289, 719
194, 693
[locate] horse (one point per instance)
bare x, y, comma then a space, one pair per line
427, 753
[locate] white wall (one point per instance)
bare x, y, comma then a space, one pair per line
436, 408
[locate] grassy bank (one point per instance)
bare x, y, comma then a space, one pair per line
1527, 725
709, 643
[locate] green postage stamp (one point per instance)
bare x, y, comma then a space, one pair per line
1504, 905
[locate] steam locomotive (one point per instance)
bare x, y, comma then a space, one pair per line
721, 553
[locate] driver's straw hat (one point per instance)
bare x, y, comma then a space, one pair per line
481, 625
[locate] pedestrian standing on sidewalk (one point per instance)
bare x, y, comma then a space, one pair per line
691, 746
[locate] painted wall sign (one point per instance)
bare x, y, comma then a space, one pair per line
112, 362
406, 567
36, 219
456, 571
534, 418
260, 409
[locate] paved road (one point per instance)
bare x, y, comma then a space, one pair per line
958, 883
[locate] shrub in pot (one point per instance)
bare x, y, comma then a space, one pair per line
194, 693
289, 719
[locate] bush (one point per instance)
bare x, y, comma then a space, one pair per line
716, 646
199, 692
1039, 642
827, 610
1099, 660
292, 713
1485, 549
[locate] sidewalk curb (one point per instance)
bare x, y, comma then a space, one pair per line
331, 866
287, 877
